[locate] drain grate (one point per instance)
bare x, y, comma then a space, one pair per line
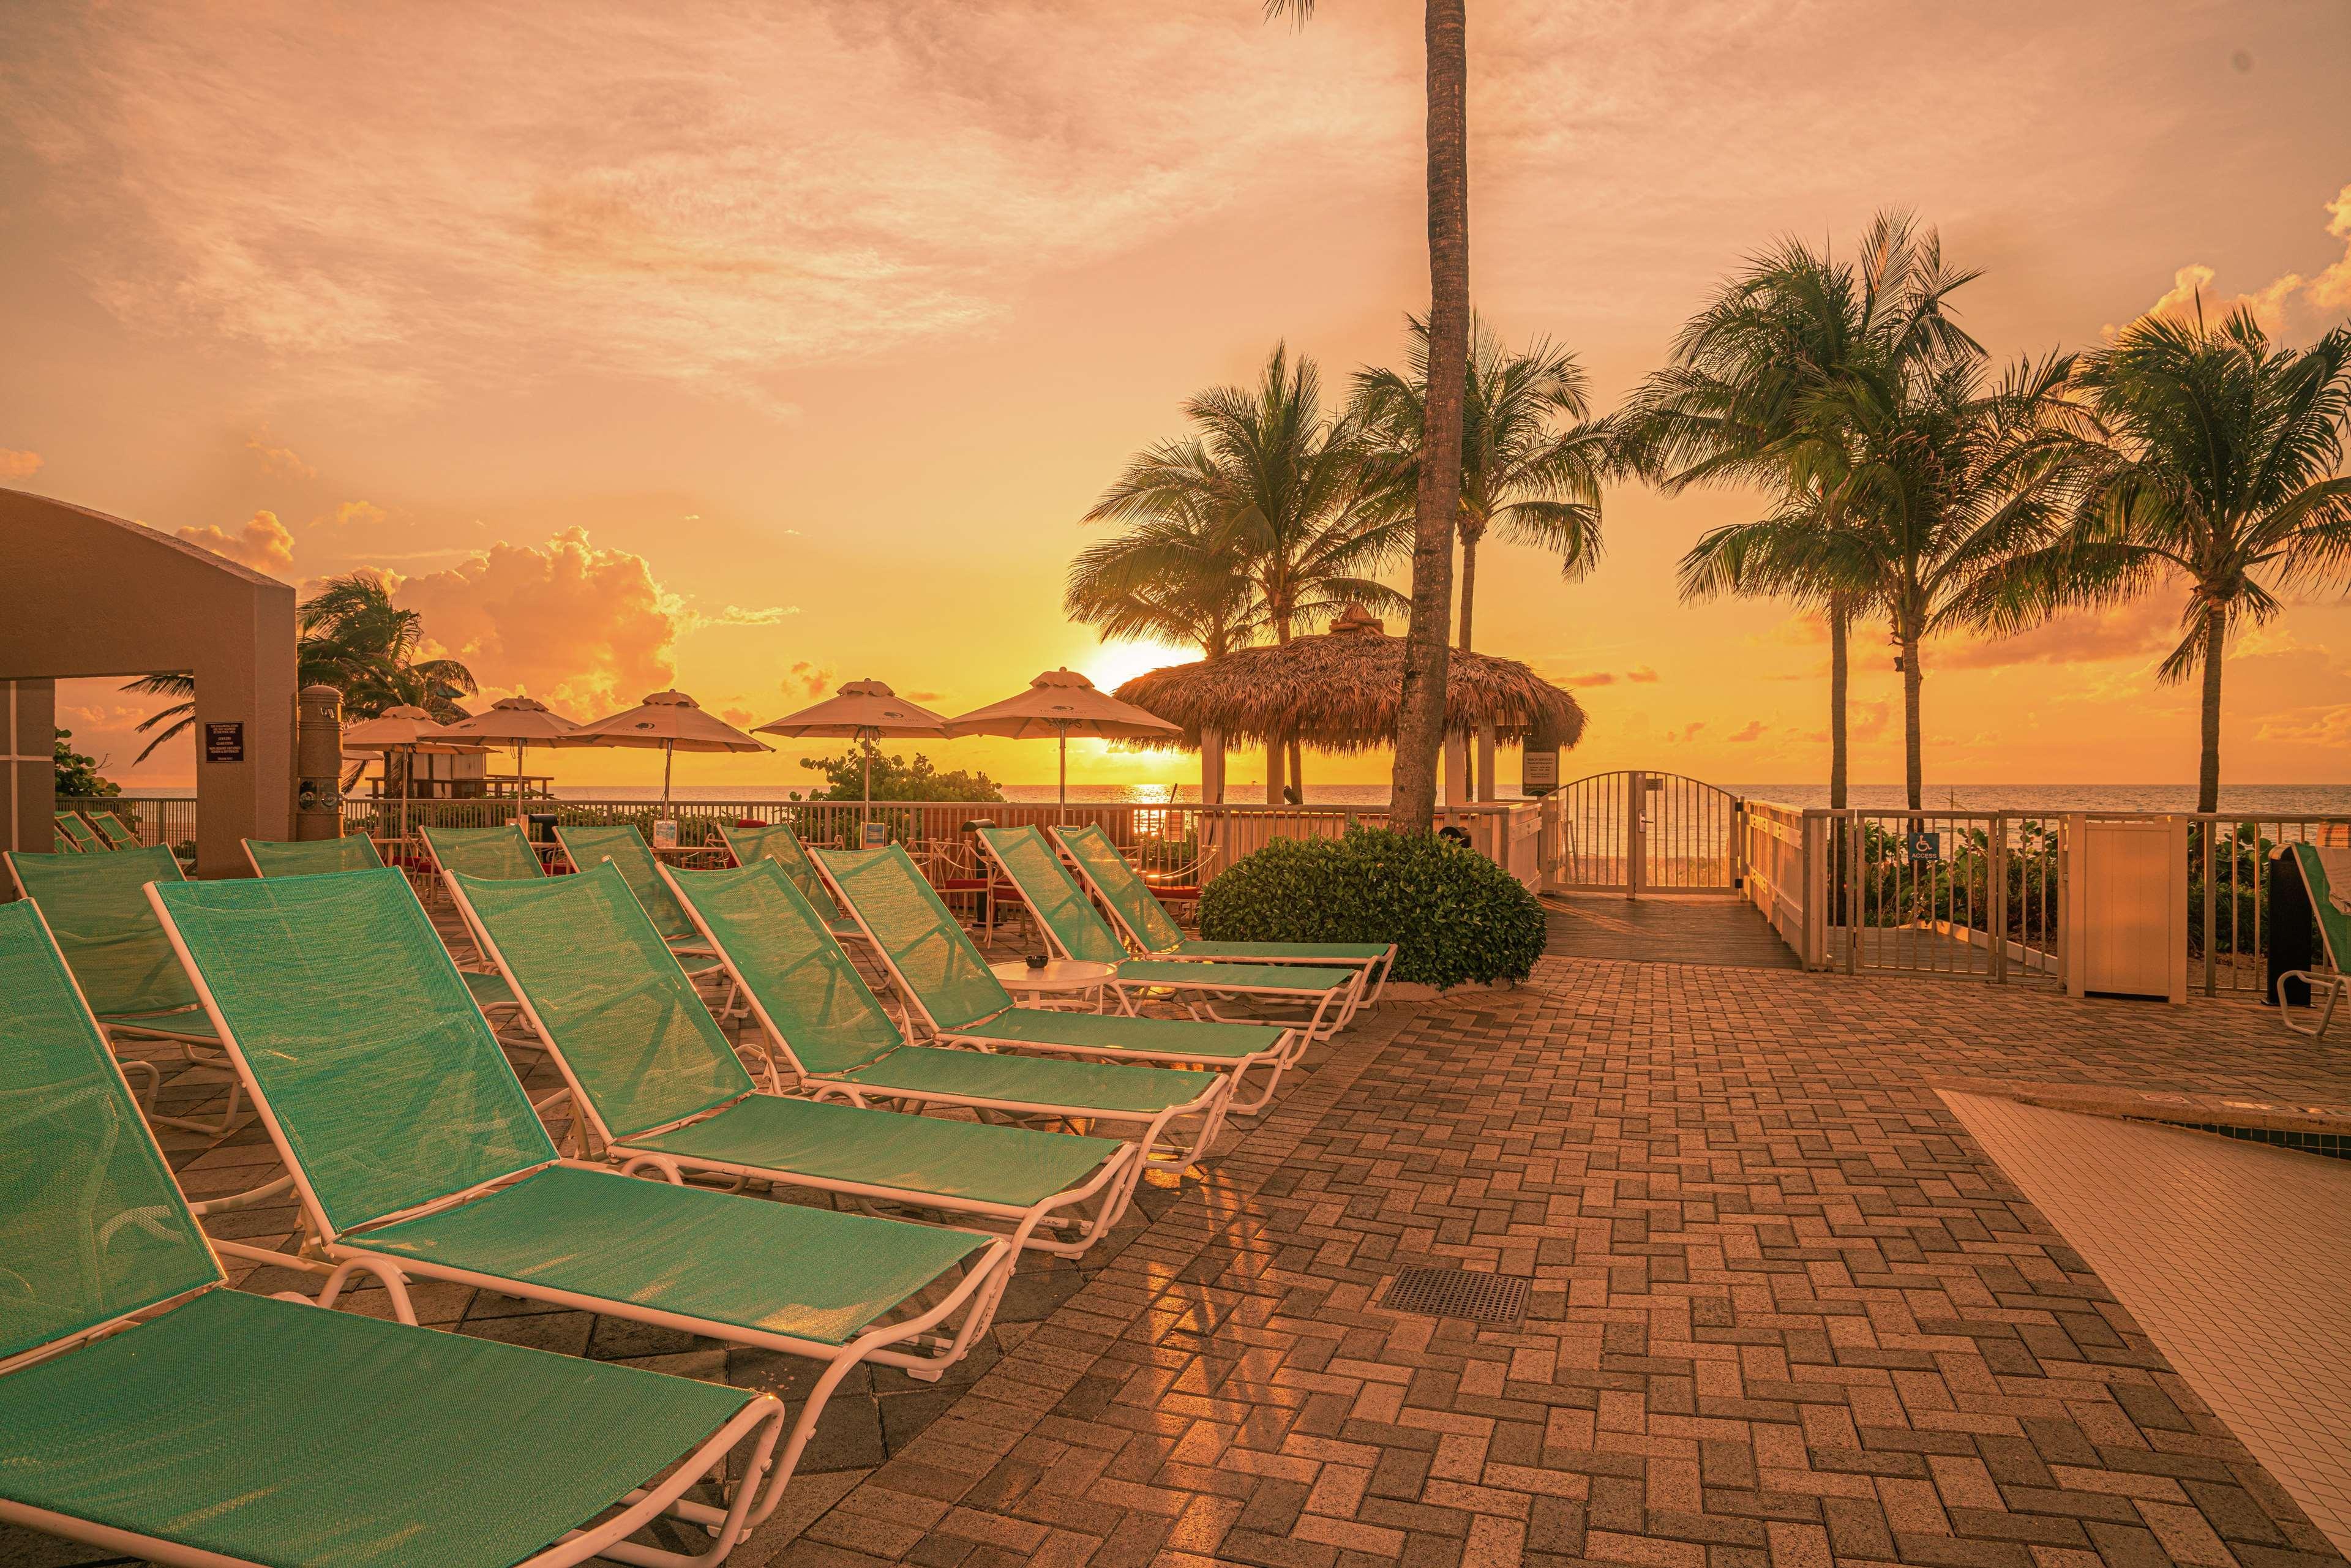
1457, 1293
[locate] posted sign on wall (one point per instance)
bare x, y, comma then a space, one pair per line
224, 742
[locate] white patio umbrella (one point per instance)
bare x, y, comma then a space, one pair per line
519, 720
863, 711
669, 720
409, 731
1062, 703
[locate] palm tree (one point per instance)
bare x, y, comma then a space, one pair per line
2217, 463
1947, 477
1420, 717
1759, 393
351, 636
1521, 476
1175, 578
1267, 491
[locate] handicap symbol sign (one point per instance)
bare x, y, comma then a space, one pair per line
1926, 846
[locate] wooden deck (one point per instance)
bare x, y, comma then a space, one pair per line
1663, 928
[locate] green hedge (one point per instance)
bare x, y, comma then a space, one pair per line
1453, 914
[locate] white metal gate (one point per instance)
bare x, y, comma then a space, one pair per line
1637, 831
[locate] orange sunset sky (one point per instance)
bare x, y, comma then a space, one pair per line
753, 348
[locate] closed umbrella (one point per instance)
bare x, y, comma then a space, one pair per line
1064, 702
519, 721
669, 720
863, 711
407, 731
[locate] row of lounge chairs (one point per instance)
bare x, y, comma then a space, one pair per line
150, 1410
91, 833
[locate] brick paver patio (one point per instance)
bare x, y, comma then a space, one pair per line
1784, 1312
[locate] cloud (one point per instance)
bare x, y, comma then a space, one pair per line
1687, 732
807, 679
16, 464
579, 627
1594, 679
714, 200
923, 696
281, 461
1641, 676
264, 544
1755, 727
740, 717
1868, 721
2146, 626
735, 615
2277, 305
356, 515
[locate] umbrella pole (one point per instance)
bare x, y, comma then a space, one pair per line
669, 755
867, 817
1063, 736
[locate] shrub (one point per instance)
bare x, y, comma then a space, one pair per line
1453, 914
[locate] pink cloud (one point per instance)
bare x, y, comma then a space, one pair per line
264, 543
16, 464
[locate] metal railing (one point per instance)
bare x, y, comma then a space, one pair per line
2229, 925
156, 818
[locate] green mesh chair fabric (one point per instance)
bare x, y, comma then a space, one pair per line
85, 837
782, 845
268, 1431
91, 1227
114, 830
1131, 898
1179, 1037
97, 908
788, 961
1050, 890
369, 1050
352, 852
1304, 982
923, 1155
608, 991
2334, 926
925, 947
775, 1268
1033, 1081
60, 844
625, 848
1122, 889
488, 990
501, 853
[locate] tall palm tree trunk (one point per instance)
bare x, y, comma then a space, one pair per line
1913, 680
1420, 717
2207, 768
1479, 786
1840, 676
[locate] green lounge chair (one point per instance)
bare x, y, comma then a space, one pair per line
782, 844
818, 1012
2334, 940
945, 979
148, 1410
123, 962
356, 852
114, 830
501, 853
81, 834
60, 844
660, 1088
352, 852
626, 849
416, 1153
1146, 923
1073, 928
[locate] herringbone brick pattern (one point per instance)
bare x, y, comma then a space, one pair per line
1784, 1313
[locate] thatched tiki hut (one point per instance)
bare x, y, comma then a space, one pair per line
1339, 692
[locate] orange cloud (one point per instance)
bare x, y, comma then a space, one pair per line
16, 464
807, 679
1595, 678
1643, 676
2277, 304
282, 461
264, 544
581, 627
2146, 625
1755, 728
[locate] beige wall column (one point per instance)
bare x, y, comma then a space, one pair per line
29, 722
83, 594
1457, 770
1488, 787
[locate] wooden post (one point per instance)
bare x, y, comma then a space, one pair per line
1487, 789
1457, 770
